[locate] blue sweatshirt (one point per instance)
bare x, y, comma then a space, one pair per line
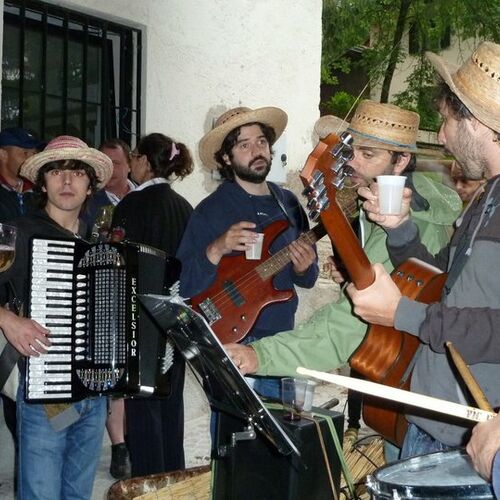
230, 204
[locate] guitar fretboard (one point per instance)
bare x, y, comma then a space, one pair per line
280, 259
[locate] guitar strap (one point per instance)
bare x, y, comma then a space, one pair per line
459, 259
274, 194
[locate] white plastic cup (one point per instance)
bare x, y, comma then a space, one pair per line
390, 193
255, 251
309, 399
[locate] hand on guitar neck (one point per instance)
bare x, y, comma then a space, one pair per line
377, 303
335, 269
372, 208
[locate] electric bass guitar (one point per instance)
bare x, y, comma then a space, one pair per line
244, 287
385, 355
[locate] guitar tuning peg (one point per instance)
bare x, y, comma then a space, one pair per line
324, 203
314, 215
307, 191
312, 203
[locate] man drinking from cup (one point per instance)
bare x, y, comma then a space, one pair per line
468, 313
229, 220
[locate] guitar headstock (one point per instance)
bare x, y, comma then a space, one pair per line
325, 172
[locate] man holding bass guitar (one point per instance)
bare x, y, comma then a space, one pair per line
226, 223
384, 142
468, 313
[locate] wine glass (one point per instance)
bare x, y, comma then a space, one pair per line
7, 246
102, 224
293, 396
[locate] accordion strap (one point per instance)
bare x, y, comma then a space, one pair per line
8, 359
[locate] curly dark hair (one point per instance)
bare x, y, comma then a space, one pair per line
159, 150
412, 164
63, 165
225, 170
444, 95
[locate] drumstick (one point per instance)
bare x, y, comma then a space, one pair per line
405, 397
468, 378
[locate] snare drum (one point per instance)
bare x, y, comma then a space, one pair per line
445, 474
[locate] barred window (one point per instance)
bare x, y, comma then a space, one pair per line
65, 72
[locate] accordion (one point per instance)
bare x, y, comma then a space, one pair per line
103, 341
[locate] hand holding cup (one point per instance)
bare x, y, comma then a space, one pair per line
372, 206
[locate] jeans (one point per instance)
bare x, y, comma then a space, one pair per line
268, 387
418, 442
59, 465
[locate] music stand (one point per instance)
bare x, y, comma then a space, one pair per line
226, 389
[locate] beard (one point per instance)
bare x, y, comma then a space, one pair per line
245, 172
469, 154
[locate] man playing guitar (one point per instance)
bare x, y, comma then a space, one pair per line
227, 221
468, 313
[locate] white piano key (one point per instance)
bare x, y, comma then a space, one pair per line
59, 348
46, 275
55, 358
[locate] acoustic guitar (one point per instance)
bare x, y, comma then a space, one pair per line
385, 355
244, 287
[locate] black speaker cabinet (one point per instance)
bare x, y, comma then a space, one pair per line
254, 470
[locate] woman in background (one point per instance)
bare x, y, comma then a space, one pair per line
154, 214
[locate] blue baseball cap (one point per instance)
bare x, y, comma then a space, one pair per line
16, 136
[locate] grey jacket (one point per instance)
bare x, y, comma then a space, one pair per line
468, 314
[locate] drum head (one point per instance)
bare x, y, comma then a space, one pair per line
445, 474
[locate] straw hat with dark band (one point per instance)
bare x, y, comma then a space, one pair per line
234, 118
476, 83
376, 125
66, 147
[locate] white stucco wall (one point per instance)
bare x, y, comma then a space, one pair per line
202, 57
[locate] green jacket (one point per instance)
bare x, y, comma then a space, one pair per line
327, 340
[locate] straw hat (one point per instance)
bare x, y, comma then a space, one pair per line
476, 82
376, 125
66, 147
234, 118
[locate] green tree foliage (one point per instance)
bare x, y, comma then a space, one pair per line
380, 25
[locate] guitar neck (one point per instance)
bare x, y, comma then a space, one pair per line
280, 259
348, 247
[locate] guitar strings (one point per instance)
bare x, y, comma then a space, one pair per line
253, 277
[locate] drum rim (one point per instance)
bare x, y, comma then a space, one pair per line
377, 486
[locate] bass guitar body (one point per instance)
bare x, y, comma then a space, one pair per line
386, 355
242, 288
